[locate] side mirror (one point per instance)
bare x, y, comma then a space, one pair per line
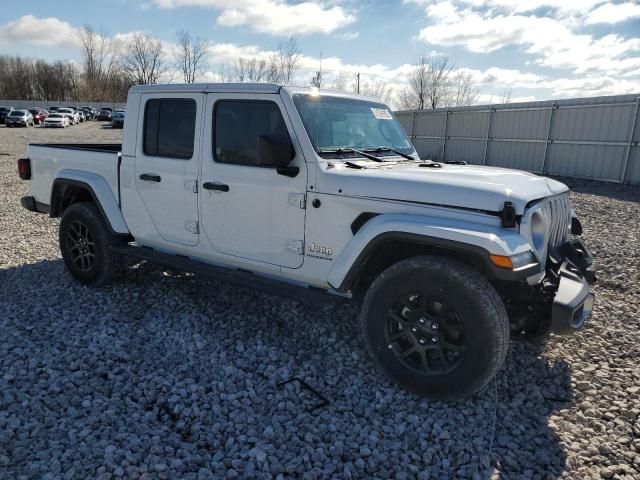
275, 150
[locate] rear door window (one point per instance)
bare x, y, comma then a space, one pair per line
169, 127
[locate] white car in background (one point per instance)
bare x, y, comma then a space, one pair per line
71, 114
57, 120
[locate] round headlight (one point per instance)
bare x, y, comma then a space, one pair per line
538, 231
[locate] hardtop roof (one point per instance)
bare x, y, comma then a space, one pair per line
209, 87
242, 88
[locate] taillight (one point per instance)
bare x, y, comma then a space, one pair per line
24, 168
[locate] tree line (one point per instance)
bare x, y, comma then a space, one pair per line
110, 66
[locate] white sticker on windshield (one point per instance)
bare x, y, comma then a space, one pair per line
381, 113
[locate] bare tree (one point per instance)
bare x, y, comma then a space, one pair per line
289, 59
432, 85
192, 57
226, 73
279, 67
143, 60
274, 72
316, 80
100, 60
251, 70
414, 95
16, 78
340, 82
463, 90
376, 89
506, 96
438, 86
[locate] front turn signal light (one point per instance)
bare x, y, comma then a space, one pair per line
514, 262
501, 261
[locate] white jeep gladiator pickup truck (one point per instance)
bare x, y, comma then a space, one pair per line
321, 195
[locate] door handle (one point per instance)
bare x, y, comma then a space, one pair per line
150, 177
221, 187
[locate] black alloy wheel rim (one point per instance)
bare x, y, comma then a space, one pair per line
426, 334
81, 246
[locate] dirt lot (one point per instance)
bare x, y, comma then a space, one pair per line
165, 375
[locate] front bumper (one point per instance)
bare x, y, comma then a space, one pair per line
571, 273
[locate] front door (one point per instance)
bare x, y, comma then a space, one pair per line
248, 209
167, 162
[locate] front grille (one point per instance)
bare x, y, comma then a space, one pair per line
557, 212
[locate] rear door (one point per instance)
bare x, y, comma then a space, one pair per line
167, 163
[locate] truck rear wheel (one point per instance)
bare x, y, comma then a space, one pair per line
85, 242
436, 327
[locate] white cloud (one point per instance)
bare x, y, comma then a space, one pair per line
488, 98
561, 7
554, 41
604, 66
348, 35
590, 86
47, 32
614, 13
503, 78
275, 17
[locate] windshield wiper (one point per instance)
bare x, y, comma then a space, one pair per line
350, 150
389, 149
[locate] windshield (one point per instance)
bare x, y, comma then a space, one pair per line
340, 123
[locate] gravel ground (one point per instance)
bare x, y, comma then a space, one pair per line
166, 375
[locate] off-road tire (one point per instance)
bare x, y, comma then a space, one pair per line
477, 305
106, 265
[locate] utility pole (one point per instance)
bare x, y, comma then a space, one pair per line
358, 83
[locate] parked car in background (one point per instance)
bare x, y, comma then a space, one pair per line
105, 114
117, 120
77, 112
71, 114
52, 109
39, 114
19, 118
90, 112
57, 120
4, 111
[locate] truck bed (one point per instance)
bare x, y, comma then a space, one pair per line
78, 161
91, 147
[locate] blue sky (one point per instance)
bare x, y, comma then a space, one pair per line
534, 49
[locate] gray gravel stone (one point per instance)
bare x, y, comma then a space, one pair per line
166, 375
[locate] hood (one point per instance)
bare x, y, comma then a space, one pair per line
464, 186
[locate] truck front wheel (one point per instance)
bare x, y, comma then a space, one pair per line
85, 242
436, 327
